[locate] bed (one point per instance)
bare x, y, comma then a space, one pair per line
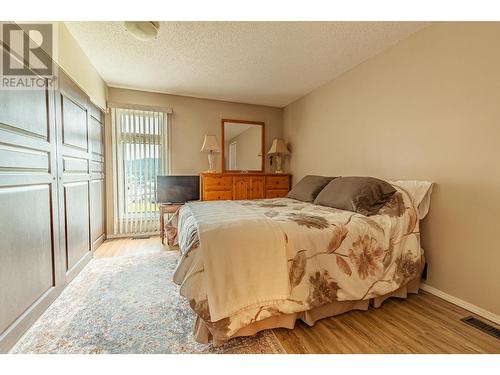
251, 265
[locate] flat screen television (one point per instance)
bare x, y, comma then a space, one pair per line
177, 189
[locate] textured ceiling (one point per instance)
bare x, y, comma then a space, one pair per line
270, 63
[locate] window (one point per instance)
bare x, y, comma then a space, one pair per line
140, 150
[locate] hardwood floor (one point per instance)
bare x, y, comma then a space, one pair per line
129, 246
422, 323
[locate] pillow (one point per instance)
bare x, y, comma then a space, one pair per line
364, 195
420, 194
308, 188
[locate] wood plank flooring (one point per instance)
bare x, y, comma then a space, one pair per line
129, 246
422, 323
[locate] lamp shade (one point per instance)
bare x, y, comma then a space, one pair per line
210, 144
278, 147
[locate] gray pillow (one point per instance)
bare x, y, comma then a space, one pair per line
365, 195
308, 188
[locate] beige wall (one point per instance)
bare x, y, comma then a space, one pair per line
427, 109
191, 120
78, 66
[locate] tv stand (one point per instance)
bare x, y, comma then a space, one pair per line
167, 208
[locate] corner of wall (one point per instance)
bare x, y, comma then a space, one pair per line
73, 60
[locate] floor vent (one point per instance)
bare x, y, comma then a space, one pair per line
479, 324
141, 237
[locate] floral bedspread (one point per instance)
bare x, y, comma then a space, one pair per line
333, 255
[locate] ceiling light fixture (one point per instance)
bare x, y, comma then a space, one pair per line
143, 30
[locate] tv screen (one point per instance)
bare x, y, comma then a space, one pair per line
178, 189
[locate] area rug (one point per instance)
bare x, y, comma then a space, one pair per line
127, 304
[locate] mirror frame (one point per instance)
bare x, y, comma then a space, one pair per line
223, 157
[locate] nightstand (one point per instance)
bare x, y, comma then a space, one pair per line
168, 209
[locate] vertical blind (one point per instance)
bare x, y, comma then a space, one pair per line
140, 153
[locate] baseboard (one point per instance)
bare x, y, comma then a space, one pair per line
118, 236
459, 302
98, 242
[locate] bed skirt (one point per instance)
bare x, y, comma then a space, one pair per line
204, 335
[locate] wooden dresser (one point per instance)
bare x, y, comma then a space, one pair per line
234, 186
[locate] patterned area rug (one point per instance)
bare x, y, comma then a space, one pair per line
127, 304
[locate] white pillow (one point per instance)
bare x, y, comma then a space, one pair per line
420, 193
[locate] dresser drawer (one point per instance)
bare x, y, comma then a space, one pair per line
215, 195
277, 183
276, 193
217, 183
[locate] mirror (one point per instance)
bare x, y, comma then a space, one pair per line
242, 146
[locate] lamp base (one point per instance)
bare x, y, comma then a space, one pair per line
210, 163
278, 164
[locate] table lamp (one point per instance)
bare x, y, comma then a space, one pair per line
210, 146
278, 148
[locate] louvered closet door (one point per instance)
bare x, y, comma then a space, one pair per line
29, 246
74, 145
